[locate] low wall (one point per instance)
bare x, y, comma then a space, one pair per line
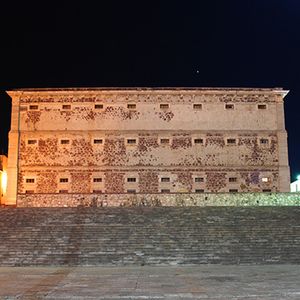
127, 200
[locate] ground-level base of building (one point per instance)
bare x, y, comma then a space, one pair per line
128, 200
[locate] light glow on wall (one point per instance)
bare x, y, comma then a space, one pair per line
4, 182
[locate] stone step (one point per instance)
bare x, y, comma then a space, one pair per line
166, 235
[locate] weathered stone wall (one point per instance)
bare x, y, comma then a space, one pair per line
129, 200
148, 115
115, 180
58, 130
148, 151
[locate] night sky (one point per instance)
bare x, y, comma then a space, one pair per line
215, 43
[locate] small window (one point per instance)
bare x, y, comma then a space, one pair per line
63, 191
165, 141
131, 141
98, 141
165, 179
131, 191
131, 106
97, 179
264, 141
265, 179
229, 106
233, 190
164, 106
33, 107
131, 179
198, 141
31, 142
262, 106
66, 106
98, 106
65, 142
63, 180
30, 180
232, 179
267, 190
197, 106
199, 191
165, 191
199, 179
97, 191
29, 192
231, 141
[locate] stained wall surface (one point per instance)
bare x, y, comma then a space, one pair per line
147, 141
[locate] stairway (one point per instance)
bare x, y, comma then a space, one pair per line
149, 236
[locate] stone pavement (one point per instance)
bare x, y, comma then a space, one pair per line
145, 282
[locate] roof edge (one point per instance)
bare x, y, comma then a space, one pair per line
18, 92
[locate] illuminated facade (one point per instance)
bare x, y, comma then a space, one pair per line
295, 186
147, 140
3, 178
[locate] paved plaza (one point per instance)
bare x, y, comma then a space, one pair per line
145, 282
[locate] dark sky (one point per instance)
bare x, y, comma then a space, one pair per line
232, 43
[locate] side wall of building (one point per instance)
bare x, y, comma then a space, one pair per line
13, 152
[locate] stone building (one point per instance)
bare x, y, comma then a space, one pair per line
3, 178
147, 140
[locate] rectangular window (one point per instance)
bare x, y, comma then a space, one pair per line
31, 142
131, 179
197, 106
98, 141
97, 179
33, 107
131, 141
198, 141
131, 106
199, 179
63, 191
29, 192
63, 180
165, 179
199, 191
262, 106
165, 141
165, 191
30, 180
65, 142
265, 179
164, 106
232, 179
229, 106
131, 191
98, 106
231, 141
264, 141
97, 191
233, 190
66, 106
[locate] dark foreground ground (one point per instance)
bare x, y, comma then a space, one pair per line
151, 282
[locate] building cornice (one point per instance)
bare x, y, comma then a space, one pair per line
146, 90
